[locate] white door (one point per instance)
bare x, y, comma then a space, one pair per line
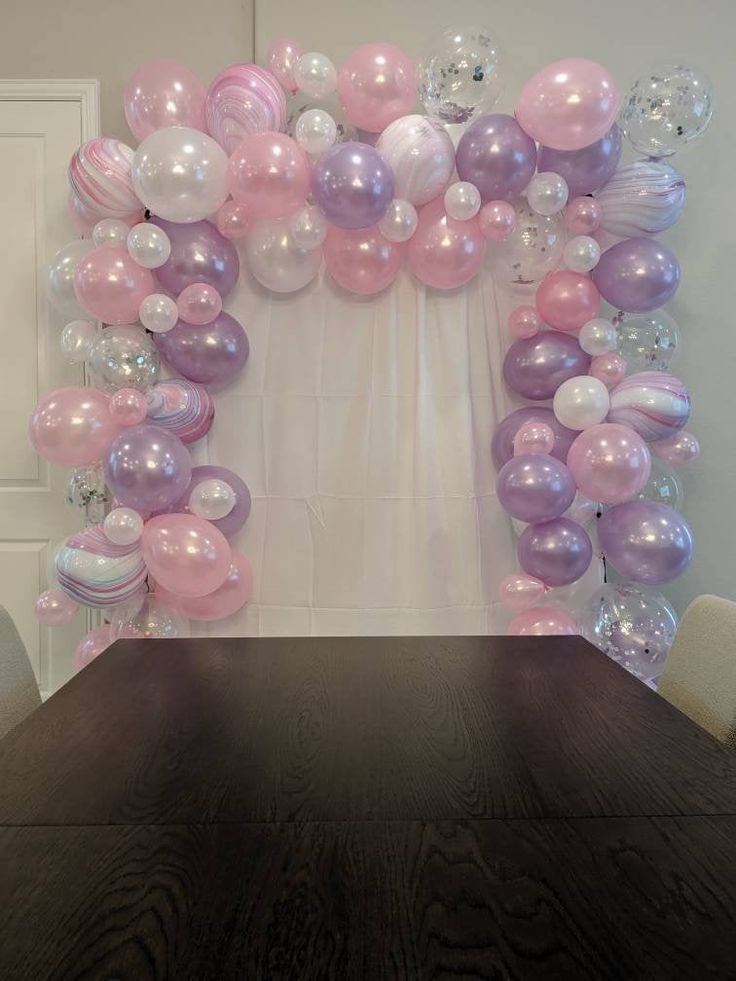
41, 124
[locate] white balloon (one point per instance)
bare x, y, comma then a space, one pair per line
598, 336
158, 313
180, 174
148, 245
462, 200
275, 259
315, 75
76, 339
400, 221
60, 282
308, 227
123, 526
581, 253
547, 193
581, 402
315, 131
110, 233
212, 499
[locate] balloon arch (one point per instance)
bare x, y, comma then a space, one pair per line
310, 164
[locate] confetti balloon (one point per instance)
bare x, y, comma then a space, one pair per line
182, 407
663, 486
459, 74
123, 357
535, 367
642, 198
646, 542
421, 155
665, 110
647, 341
652, 403
153, 616
533, 249
95, 572
244, 99
502, 445
101, 179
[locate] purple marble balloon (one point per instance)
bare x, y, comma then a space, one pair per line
233, 521
653, 404
199, 254
147, 468
584, 170
211, 354
352, 185
646, 542
496, 155
558, 552
185, 409
637, 275
535, 367
244, 99
642, 198
535, 487
502, 444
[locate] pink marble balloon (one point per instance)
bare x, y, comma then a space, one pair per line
583, 216
111, 286
94, 572
376, 85
678, 450
244, 99
445, 253
361, 260
421, 155
92, 645
519, 591
281, 59
543, 621
609, 368
184, 408
653, 404
199, 303
162, 93
524, 321
100, 178
55, 609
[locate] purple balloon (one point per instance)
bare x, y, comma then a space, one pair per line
147, 468
496, 155
646, 542
233, 521
558, 552
352, 185
637, 275
535, 367
588, 169
199, 254
211, 354
502, 444
535, 487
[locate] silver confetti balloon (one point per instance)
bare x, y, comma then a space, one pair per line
532, 250
123, 357
646, 341
664, 486
151, 616
87, 492
666, 109
459, 74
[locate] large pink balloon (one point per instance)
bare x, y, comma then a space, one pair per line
569, 104
111, 285
376, 85
610, 463
73, 426
542, 621
162, 93
269, 175
185, 554
226, 599
445, 253
92, 645
361, 260
566, 300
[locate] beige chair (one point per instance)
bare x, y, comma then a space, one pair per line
19, 694
699, 675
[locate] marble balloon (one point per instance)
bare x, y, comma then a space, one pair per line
421, 155
244, 99
652, 403
94, 572
101, 179
183, 407
642, 198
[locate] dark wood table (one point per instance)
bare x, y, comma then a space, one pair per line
404, 808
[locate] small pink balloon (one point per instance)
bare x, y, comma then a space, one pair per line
199, 304
678, 450
92, 645
524, 321
376, 85
281, 58
162, 93
566, 300
269, 175
232, 220
186, 555
111, 285
610, 463
54, 608
543, 621
73, 426
445, 253
225, 600
128, 406
583, 216
533, 437
519, 591
609, 368
361, 260
497, 220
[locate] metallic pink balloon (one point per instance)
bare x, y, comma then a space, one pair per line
678, 450
163, 93
376, 85
361, 259
269, 175
445, 253
524, 321
281, 58
543, 621
185, 554
534, 437
535, 367
566, 300
610, 463
92, 645
199, 254
198, 304
73, 426
232, 220
111, 286
227, 599
54, 608
558, 551
609, 368
583, 216
497, 220
518, 592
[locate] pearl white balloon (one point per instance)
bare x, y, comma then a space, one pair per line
315, 75
315, 131
110, 233
462, 200
123, 526
598, 336
212, 499
148, 245
400, 221
581, 253
60, 282
308, 227
547, 193
581, 402
275, 259
180, 174
76, 339
158, 313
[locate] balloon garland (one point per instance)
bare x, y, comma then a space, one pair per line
306, 164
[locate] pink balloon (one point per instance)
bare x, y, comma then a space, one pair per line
609, 368
226, 599
128, 406
569, 104
54, 608
610, 463
269, 175
73, 426
376, 85
199, 304
534, 437
583, 216
281, 59
497, 220
566, 300
111, 285
445, 253
678, 450
186, 555
543, 621
519, 591
92, 645
162, 93
361, 260
232, 220
525, 321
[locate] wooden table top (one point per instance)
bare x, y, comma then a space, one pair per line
349, 808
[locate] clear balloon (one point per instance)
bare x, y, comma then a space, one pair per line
444, 253
547, 193
543, 621
198, 304
678, 450
269, 175
462, 201
648, 341
637, 275
583, 216
55, 609
110, 286
232, 220
581, 402
583, 510
110, 233
558, 552
60, 279
663, 486
361, 260
308, 227
646, 542
610, 463
352, 185
535, 367
212, 499
497, 156
376, 85
199, 254
186, 555
532, 249
275, 259
128, 406
581, 254
123, 526
147, 468
534, 437
666, 109
400, 221
497, 220
566, 300
86, 491
587, 169
76, 339
502, 444
316, 131
151, 617
598, 336
524, 321
315, 75
162, 93
281, 59
608, 368
211, 354
460, 74
148, 245
420, 153
158, 313
72, 426
518, 592
92, 645
123, 357
535, 487
227, 599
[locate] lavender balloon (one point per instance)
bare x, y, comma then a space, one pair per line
584, 170
496, 155
558, 552
637, 275
646, 542
211, 354
236, 518
535, 367
147, 468
502, 444
352, 185
535, 487
199, 254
